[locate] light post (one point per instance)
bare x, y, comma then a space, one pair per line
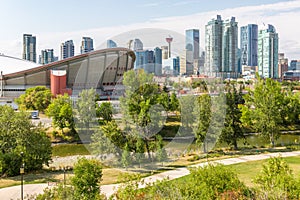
22, 172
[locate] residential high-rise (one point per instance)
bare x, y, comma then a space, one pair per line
176, 66
282, 65
47, 56
268, 53
221, 48
137, 45
230, 47
213, 46
29, 47
111, 44
248, 45
86, 45
67, 49
192, 41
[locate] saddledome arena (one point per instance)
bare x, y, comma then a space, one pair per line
100, 69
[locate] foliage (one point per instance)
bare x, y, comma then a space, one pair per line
126, 157
86, 180
36, 98
140, 109
277, 180
17, 134
202, 113
60, 110
161, 153
105, 111
174, 103
209, 182
233, 129
85, 108
264, 105
85, 184
108, 139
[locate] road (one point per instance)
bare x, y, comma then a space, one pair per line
108, 190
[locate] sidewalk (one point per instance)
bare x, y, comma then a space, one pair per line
108, 190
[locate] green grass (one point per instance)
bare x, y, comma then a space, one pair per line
249, 170
63, 150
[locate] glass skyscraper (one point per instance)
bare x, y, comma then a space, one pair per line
47, 56
213, 46
137, 45
192, 41
111, 44
67, 49
150, 61
230, 46
268, 53
248, 44
29, 47
86, 45
221, 48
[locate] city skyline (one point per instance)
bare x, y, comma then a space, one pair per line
250, 12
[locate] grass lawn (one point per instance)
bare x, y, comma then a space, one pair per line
63, 150
110, 176
249, 170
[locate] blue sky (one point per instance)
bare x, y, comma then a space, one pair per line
55, 21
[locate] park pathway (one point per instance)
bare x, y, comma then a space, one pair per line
30, 189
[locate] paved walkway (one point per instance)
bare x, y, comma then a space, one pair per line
14, 192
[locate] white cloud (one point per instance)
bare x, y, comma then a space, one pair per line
284, 16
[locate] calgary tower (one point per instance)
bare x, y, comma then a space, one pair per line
169, 39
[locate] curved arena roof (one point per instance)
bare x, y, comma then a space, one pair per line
10, 64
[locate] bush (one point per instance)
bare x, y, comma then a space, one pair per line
277, 181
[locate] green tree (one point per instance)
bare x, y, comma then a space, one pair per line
233, 129
105, 111
139, 110
126, 157
264, 104
108, 139
174, 103
60, 110
277, 181
17, 134
140, 151
85, 107
202, 113
161, 153
36, 98
86, 180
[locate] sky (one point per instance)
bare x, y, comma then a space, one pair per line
54, 22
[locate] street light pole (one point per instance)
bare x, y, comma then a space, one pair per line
22, 172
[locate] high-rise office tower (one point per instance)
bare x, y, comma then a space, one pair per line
29, 47
67, 49
86, 45
137, 45
47, 56
213, 46
165, 52
230, 46
248, 45
157, 61
150, 61
268, 52
192, 41
111, 44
